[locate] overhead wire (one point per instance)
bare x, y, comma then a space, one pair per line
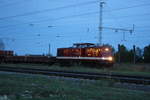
10, 4
77, 15
54, 19
51, 9
136, 15
71, 16
129, 7
70, 6
67, 17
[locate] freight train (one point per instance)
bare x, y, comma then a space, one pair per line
79, 53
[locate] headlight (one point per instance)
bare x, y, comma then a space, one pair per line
110, 58
107, 58
106, 49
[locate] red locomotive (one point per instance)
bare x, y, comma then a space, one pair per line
86, 53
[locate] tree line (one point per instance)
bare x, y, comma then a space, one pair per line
135, 55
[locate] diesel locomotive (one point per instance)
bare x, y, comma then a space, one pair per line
86, 53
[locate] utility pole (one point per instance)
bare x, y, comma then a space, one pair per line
110, 28
49, 50
124, 36
134, 54
101, 22
119, 53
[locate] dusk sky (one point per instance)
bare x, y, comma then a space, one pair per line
29, 26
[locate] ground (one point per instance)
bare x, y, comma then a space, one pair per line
15, 86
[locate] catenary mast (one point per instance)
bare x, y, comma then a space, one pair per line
101, 22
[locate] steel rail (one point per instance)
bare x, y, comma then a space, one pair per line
83, 75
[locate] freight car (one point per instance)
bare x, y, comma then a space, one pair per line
9, 57
85, 53
4, 53
29, 59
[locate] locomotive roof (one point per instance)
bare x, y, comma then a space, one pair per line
83, 44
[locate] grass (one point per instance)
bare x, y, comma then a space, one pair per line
132, 69
124, 68
31, 87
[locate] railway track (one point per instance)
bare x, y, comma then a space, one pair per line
83, 75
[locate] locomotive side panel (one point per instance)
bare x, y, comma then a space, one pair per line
69, 52
93, 52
